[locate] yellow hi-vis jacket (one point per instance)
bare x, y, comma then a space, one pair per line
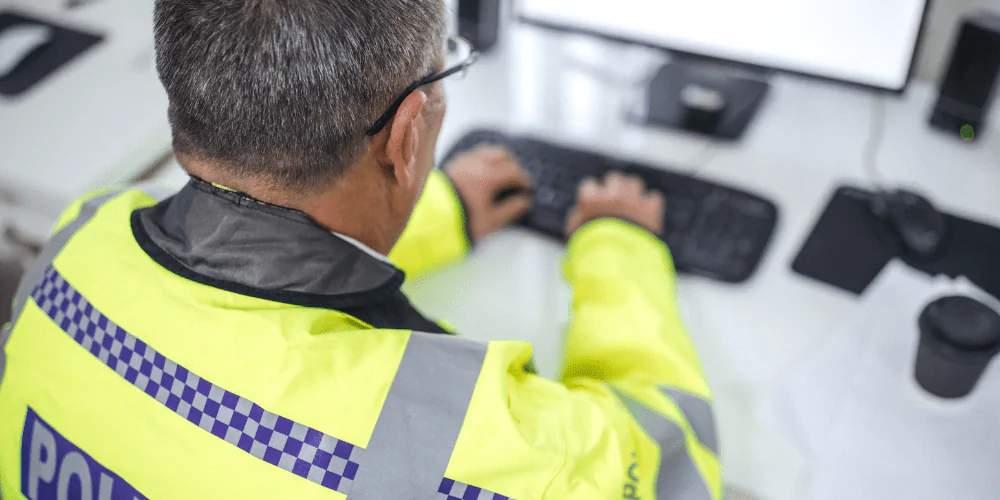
136, 367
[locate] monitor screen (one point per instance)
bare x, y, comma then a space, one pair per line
868, 42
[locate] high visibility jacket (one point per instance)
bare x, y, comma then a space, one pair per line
212, 346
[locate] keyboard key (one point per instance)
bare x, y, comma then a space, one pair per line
545, 195
548, 221
681, 212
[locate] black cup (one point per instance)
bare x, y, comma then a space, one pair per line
958, 338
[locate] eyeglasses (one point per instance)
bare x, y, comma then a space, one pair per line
459, 55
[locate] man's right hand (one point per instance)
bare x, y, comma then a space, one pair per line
619, 196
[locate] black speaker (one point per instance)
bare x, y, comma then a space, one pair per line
968, 86
479, 22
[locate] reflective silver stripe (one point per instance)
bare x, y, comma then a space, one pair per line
56, 243
698, 413
419, 424
678, 477
421, 418
33, 276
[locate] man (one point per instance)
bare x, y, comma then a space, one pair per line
246, 337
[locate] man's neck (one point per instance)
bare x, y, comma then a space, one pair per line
336, 209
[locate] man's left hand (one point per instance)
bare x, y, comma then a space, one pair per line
480, 176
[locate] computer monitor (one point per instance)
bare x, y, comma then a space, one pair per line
865, 42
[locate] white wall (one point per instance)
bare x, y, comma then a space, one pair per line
939, 32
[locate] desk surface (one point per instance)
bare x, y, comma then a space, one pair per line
99, 120
807, 138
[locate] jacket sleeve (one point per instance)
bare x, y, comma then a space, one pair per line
436, 234
636, 407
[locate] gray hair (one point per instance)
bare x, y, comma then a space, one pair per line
283, 90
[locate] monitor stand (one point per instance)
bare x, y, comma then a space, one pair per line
688, 95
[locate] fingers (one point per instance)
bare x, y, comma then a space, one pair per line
504, 168
493, 152
620, 184
509, 174
614, 184
512, 209
573, 221
589, 188
617, 195
497, 156
658, 200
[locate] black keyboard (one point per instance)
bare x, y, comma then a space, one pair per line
712, 230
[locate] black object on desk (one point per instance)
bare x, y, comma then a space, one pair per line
921, 227
959, 336
479, 23
712, 230
702, 100
968, 87
66, 45
850, 245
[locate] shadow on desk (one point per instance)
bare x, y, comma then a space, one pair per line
10, 274
735, 494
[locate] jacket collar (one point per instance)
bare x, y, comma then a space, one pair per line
229, 240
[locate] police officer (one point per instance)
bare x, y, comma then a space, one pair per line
246, 337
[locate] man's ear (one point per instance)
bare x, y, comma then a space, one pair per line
404, 138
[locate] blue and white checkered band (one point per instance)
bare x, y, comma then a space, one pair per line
296, 448
454, 490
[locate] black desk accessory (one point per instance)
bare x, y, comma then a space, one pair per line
479, 23
968, 86
707, 101
959, 336
67, 44
850, 245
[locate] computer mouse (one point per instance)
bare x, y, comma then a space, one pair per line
920, 226
18, 42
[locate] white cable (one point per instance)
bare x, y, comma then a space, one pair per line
876, 131
708, 151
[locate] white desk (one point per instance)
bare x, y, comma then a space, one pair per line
807, 138
99, 120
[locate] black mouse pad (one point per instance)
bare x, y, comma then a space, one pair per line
849, 247
66, 45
